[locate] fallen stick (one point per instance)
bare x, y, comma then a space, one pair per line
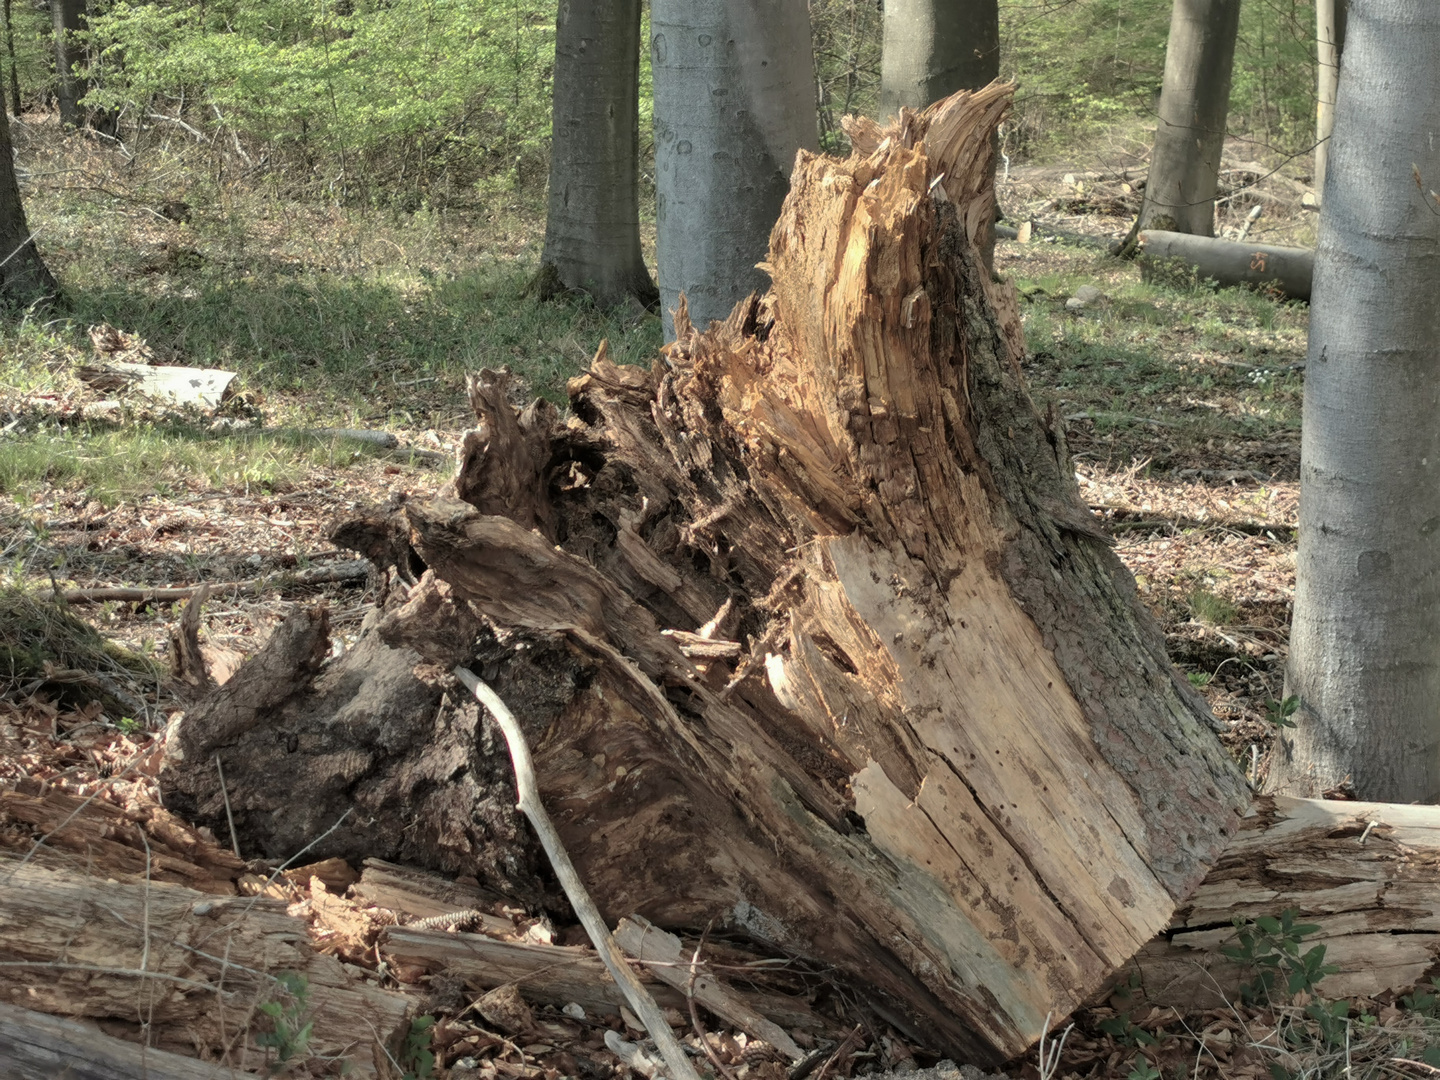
352, 570
529, 804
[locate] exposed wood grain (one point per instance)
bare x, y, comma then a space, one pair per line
1377, 903
192, 967
36, 1046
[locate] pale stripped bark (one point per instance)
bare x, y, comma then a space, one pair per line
1190, 131
592, 222
1365, 642
734, 101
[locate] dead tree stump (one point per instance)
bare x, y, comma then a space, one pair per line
823, 643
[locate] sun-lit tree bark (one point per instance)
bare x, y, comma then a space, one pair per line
1194, 102
935, 47
734, 101
592, 224
1365, 643
24, 278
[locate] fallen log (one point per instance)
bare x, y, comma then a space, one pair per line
184, 970
1229, 262
1367, 874
36, 1046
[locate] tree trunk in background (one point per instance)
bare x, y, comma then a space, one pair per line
1329, 43
812, 634
10, 56
1194, 104
935, 47
592, 223
734, 101
24, 278
1365, 643
69, 18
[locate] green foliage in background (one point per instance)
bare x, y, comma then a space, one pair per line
415, 91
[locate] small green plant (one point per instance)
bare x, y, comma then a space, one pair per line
1270, 946
289, 1037
1279, 713
1211, 608
416, 1057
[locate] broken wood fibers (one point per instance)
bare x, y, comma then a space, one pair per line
953, 760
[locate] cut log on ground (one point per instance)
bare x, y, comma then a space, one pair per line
937, 743
1367, 874
1229, 262
186, 970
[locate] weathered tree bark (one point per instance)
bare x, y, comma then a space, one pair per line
1330, 17
1194, 103
185, 970
69, 19
1368, 874
734, 101
24, 277
10, 56
831, 650
933, 48
1363, 649
1229, 262
592, 222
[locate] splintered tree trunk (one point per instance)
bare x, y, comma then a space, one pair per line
592, 220
813, 634
1194, 103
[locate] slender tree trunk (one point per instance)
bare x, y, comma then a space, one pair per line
69, 19
10, 55
734, 101
935, 47
592, 224
1329, 43
24, 278
932, 49
1194, 103
1365, 644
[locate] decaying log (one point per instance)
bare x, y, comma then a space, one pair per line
1368, 874
951, 758
360, 757
560, 974
36, 1046
1230, 262
186, 969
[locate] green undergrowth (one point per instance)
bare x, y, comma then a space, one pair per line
1188, 365
113, 463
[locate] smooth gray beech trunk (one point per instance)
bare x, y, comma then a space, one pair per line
1194, 103
1329, 43
1365, 641
24, 278
592, 223
69, 18
734, 101
934, 47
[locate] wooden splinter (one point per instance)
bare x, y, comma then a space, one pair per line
529, 804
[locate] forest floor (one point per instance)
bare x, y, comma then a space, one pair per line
1182, 405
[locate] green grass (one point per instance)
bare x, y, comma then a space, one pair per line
110, 464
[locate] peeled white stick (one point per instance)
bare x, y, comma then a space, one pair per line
529, 803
